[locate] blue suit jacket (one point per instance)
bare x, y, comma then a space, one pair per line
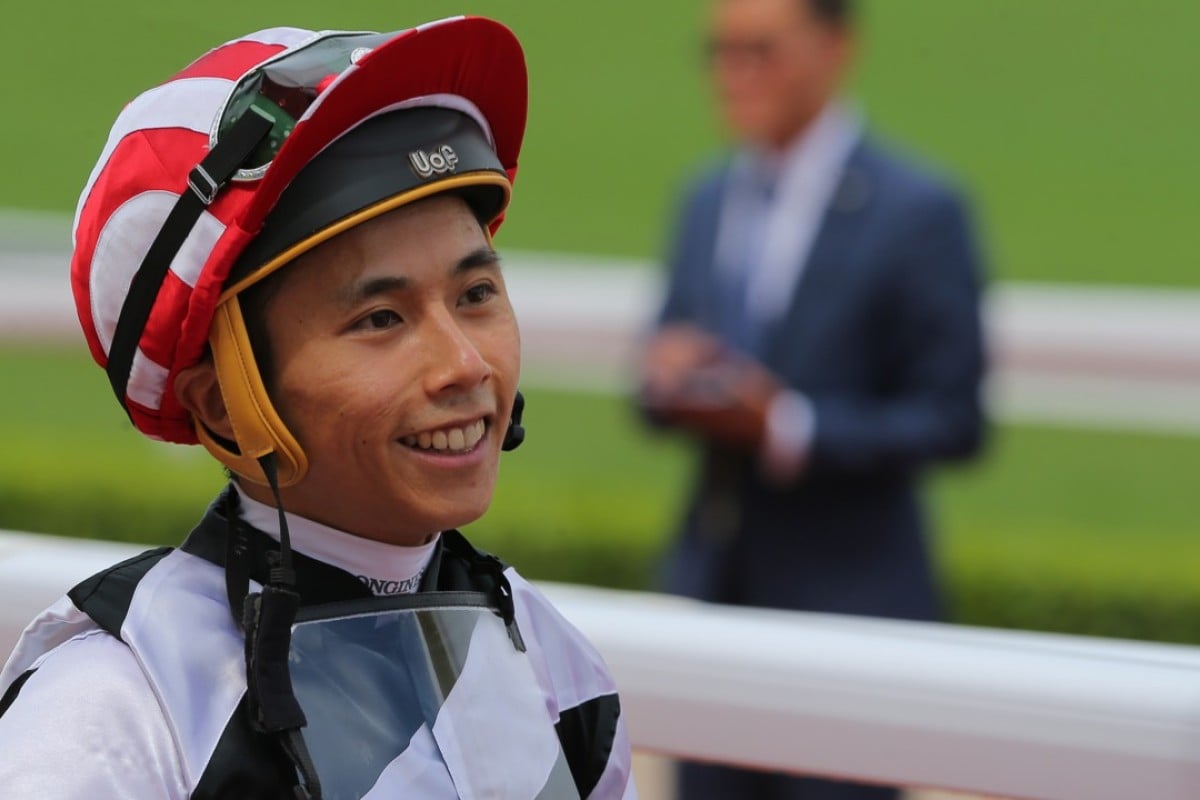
883, 336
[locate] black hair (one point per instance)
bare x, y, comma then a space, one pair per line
253, 301
838, 13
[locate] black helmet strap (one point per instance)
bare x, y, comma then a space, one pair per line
205, 182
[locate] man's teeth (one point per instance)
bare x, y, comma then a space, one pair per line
449, 439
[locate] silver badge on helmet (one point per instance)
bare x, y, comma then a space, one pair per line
436, 162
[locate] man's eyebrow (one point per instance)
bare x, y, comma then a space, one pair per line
356, 293
477, 259
361, 291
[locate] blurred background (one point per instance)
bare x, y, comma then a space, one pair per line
1072, 125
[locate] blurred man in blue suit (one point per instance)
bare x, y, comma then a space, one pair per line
821, 341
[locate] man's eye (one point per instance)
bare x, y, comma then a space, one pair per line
378, 320
479, 293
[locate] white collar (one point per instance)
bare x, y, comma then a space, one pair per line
386, 569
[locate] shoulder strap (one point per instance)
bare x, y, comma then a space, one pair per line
13, 690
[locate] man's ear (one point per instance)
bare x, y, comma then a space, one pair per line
198, 391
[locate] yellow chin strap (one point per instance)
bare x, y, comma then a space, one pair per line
257, 427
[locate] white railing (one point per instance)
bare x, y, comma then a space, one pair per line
1067, 355
994, 712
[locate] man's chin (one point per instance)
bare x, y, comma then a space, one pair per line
459, 509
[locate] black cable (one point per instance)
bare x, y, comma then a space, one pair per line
283, 575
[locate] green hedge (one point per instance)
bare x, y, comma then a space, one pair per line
981, 590
1015, 596
1143, 590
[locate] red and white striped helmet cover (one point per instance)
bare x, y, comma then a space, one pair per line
165, 132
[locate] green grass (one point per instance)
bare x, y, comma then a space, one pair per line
1072, 122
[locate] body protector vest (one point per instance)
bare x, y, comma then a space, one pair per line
437, 694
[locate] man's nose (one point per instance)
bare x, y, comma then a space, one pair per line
454, 361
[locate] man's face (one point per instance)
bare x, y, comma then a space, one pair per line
396, 356
774, 67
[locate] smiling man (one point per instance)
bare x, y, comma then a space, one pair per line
285, 254
395, 366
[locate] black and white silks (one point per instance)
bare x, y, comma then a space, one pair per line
134, 686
